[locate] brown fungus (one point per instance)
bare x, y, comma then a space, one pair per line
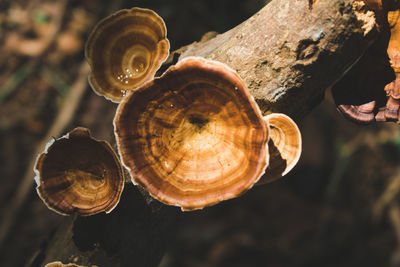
363, 113
284, 146
194, 136
125, 50
60, 264
79, 174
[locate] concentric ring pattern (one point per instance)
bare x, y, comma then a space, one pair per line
285, 146
78, 174
194, 136
125, 50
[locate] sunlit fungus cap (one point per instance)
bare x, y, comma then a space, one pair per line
60, 264
79, 174
125, 50
194, 136
284, 146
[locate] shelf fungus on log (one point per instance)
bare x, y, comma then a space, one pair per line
284, 146
370, 91
125, 50
194, 136
60, 264
79, 174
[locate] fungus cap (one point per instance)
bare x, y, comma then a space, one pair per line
60, 264
194, 136
125, 50
79, 174
285, 146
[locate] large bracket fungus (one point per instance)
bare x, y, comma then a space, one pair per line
370, 91
284, 146
79, 174
60, 264
125, 50
194, 136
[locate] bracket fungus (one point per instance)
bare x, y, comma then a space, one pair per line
370, 91
60, 264
125, 50
79, 174
194, 136
284, 146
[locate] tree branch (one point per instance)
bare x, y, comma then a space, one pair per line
289, 53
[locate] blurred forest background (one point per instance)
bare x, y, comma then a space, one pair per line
338, 207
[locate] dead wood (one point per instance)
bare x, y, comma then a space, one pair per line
290, 52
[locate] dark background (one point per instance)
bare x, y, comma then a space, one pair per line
338, 207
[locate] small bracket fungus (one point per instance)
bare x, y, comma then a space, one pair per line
194, 136
79, 174
125, 50
60, 264
284, 146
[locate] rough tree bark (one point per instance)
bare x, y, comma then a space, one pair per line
288, 54
290, 51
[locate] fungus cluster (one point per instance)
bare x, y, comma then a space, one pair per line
192, 137
370, 91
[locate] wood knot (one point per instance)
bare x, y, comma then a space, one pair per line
306, 49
